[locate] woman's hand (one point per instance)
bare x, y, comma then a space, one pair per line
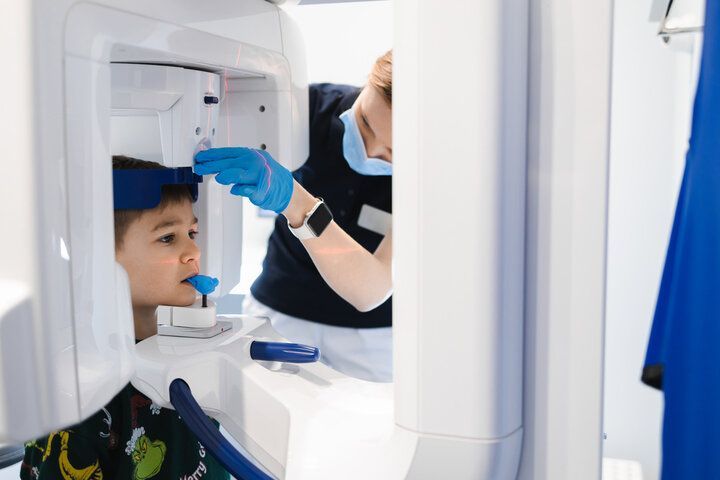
253, 174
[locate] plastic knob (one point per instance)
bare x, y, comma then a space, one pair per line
284, 352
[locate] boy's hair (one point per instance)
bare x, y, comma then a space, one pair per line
381, 76
170, 194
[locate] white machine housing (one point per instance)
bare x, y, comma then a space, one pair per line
159, 114
165, 103
69, 324
457, 408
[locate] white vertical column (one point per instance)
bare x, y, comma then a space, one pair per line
18, 269
458, 199
16, 198
569, 104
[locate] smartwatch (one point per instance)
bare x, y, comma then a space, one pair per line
316, 221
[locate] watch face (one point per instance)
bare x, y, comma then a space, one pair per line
320, 219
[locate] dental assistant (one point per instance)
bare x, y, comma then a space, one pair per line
326, 278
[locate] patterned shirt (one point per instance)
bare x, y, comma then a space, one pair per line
131, 438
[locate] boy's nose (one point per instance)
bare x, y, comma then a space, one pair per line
191, 253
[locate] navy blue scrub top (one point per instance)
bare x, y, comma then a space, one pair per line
289, 282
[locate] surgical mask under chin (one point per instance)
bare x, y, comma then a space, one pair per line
354, 149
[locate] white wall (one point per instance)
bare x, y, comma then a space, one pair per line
342, 42
651, 99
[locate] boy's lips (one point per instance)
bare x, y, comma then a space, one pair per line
185, 280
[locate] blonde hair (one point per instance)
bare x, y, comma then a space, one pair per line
381, 76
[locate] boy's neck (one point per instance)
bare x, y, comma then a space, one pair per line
145, 322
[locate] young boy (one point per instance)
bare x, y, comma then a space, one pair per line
133, 438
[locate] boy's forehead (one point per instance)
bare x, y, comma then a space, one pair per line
170, 214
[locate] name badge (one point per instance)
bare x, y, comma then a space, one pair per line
375, 220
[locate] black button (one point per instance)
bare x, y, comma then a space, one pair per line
210, 99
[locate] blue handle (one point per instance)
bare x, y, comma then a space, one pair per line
234, 462
283, 352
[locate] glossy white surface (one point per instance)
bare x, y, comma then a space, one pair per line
460, 305
459, 302
174, 98
568, 144
15, 338
10, 473
459, 279
307, 421
684, 16
19, 271
194, 316
76, 340
101, 327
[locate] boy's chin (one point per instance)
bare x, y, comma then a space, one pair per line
181, 299
186, 302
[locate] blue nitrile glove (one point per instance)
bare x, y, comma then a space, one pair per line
254, 173
203, 284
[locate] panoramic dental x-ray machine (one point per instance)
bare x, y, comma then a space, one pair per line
160, 80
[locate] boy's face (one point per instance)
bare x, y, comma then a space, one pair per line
159, 252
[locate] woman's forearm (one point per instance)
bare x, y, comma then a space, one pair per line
362, 278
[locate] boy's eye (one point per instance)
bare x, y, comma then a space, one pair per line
167, 238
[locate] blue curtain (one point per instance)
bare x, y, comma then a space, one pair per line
684, 348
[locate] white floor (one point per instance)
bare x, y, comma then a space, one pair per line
619, 469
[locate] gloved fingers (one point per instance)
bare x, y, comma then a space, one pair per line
212, 154
266, 155
254, 173
265, 160
217, 166
234, 175
260, 198
243, 190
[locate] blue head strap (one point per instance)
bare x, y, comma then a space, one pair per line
141, 189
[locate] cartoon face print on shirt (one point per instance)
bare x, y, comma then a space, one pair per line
148, 456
